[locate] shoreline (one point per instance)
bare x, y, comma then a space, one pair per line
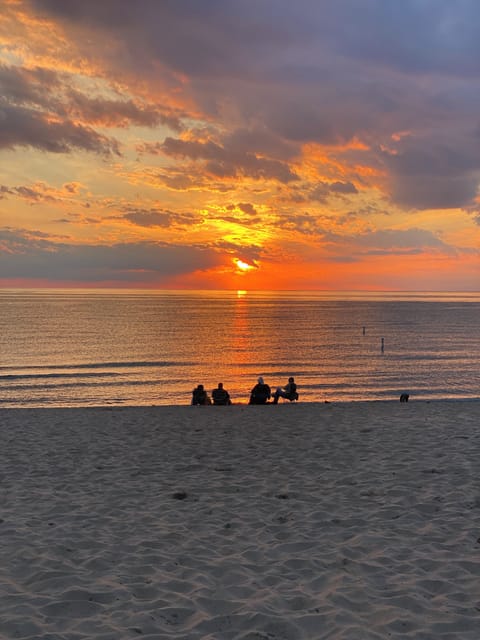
316, 403
348, 520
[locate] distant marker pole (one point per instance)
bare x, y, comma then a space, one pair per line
363, 330
383, 345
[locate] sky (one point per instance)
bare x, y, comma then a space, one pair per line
240, 144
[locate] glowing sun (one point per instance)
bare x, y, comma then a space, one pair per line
243, 266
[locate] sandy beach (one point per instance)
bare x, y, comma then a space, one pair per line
289, 522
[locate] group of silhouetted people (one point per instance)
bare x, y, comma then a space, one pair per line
219, 395
260, 394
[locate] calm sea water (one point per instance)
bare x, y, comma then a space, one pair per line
86, 348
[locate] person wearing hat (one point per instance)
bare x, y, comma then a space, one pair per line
261, 392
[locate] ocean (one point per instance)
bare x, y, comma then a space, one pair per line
112, 348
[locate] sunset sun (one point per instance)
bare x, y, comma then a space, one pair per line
243, 266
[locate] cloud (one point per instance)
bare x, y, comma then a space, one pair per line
28, 86
343, 187
54, 92
442, 36
31, 116
26, 127
187, 176
223, 162
191, 38
39, 108
341, 241
261, 141
323, 190
154, 218
39, 192
270, 78
4, 191
247, 208
33, 255
119, 113
388, 241
305, 224
434, 173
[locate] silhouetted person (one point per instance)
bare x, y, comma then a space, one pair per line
260, 393
289, 391
200, 396
221, 395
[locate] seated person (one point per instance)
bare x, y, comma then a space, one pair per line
221, 395
200, 396
260, 393
289, 391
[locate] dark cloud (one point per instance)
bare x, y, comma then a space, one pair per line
224, 162
4, 191
303, 223
248, 217
249, 253
429, 174
343, 187
287, 74
410, 36
201, 39
434, 192
33, 255
261, 141
40, 192
225, 36
188, 176
323, 190
22, 86
247, 208
401, 240
247, 223
33, 195
38, 108
26, 109
154, 218
369, 242
26, 127
118, 113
